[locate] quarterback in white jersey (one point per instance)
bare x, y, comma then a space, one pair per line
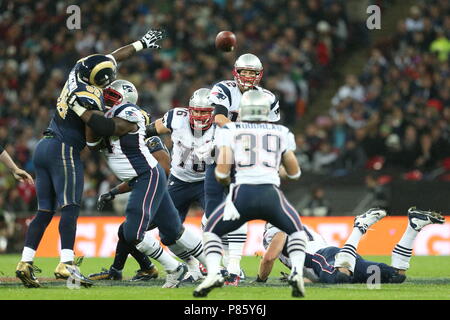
257, 148
225, 97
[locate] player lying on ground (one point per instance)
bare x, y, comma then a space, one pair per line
149, 202
257, 148
58, 167
225, 96
329, 264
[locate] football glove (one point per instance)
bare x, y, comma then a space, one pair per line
150, 38
104, 199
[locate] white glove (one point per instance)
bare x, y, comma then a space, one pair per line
230, 212
150, 38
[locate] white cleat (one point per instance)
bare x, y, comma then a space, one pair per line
174, 278
211, 282
367, 219
421, 218
193, 276
295, 280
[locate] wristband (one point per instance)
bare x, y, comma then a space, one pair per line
295, 176
93, 144
114, 191
221, 175
79, 110
138, 46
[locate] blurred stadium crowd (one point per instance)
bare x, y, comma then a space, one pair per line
396, 112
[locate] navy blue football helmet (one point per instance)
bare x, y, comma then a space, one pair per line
97, 70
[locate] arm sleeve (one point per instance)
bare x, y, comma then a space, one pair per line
130, 114
220, 96
224, 137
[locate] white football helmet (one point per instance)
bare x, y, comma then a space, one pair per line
120, 91
199, 102
254, 106
248, 61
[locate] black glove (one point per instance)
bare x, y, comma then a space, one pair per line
284, 276
150, 38
258, 279
104, 199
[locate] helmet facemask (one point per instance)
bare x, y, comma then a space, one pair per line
112, 97
247, 82
200, 118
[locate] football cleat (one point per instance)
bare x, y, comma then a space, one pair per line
193, 276
211, 282
233, 280
71, 269
295, 280
25, 272
173, 278
421, 218
367, 219
146, 275
105, 274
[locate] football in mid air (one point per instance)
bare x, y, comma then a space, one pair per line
225, 41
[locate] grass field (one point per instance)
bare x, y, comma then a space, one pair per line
428, 278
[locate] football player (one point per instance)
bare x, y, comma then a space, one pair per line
225, 96
59, 170
257, 148
192, 135
329, 264
121, 91
149, 201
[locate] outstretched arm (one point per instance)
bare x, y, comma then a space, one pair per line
272, 254
18, 173
148, 41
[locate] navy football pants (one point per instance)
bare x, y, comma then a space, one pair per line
183, 194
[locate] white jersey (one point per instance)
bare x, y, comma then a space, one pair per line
191, 150
257, 150
315, 242
128, 156
227, 93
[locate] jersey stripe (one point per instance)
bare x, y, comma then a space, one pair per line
135, 155
226, 90
169, 120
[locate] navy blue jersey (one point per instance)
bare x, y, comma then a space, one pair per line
65, 124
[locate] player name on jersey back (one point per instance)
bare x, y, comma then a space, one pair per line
257, 150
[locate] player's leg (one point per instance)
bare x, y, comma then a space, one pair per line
279, 212
346, 258
148, 192
417, 219
46, 208
184, 243
372, 273
68, 179
214, 229
146, 272
180, 193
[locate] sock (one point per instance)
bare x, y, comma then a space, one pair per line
346, 258
188, 244
296, 250
213, 252
28, 254
151, 247
193, 264
37, 228
401, 255
67, 255
68, 226
225, 258
123, 248
236, 243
